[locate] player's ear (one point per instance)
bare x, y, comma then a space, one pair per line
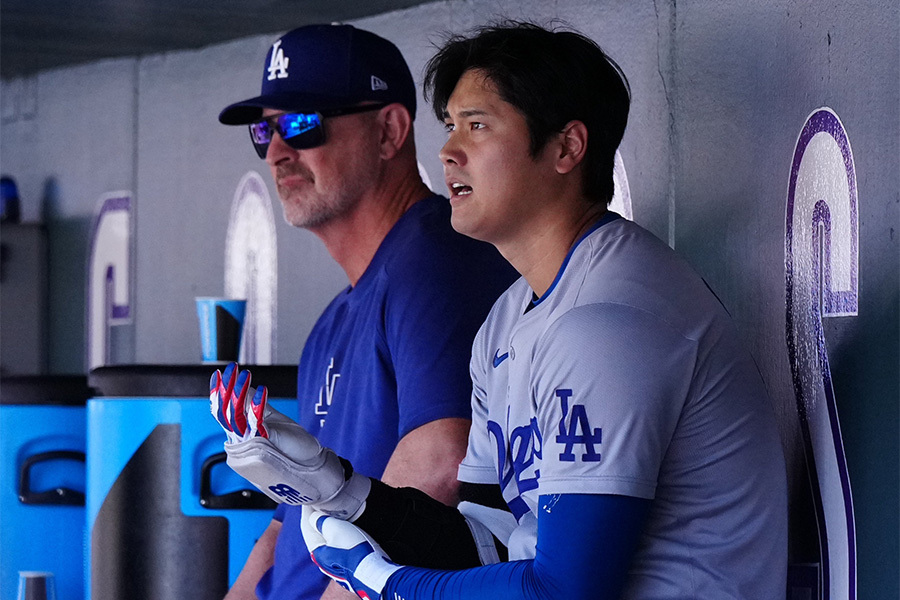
573, 140
396, 125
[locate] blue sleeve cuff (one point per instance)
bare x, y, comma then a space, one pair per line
584, 548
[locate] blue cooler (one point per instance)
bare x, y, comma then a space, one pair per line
167, 518
42, 473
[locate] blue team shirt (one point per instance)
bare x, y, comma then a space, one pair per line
387, 356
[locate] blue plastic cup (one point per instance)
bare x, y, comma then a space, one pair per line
36, 585
221, 326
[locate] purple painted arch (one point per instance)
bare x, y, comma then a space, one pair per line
824, 120
109, 279
811, 231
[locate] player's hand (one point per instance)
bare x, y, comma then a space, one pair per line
345, 553
227, 401
277, 455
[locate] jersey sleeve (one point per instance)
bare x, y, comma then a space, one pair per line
610, 382
437, 299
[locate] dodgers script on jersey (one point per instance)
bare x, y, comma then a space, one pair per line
627, 377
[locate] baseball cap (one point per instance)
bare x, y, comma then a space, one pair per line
320, 67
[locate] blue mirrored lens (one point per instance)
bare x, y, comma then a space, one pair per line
298, 130
294, 124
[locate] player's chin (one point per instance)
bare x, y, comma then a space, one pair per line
460, 218
464, 220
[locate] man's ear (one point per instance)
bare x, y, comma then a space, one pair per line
396, 125
573, 142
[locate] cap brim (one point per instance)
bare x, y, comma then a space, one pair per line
250, 111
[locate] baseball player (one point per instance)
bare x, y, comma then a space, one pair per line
622, 443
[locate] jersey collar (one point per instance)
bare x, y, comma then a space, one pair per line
608, 217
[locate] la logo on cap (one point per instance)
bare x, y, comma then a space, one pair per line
278, 64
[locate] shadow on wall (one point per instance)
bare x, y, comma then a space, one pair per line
67, 256
863, 355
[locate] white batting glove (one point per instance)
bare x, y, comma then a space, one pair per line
278, 456
345, 553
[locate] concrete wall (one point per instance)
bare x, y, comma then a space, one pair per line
748, 74
67, 137
721, 91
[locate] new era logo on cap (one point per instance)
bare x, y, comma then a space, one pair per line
378, 84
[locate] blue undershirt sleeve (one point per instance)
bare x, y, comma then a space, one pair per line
584, 548
279, 513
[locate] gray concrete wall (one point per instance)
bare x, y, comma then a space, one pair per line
721, 91
188, 169
67, 137
747, 75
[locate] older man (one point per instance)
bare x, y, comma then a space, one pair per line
383, 377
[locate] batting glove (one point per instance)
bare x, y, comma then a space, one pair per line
345, 553
278, 456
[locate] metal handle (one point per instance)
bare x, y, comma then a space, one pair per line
58, 496
240, 499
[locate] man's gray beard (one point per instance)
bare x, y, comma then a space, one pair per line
312, 216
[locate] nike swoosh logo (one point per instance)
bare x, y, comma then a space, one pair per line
499, 359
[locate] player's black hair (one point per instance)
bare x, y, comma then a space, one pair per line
552, 77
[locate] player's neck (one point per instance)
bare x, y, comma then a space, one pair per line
539, 257
354, 238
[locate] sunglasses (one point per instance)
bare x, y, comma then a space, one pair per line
299, 130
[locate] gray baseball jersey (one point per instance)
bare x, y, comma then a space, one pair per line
627, 377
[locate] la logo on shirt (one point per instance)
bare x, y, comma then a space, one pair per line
326, 392
577, 432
